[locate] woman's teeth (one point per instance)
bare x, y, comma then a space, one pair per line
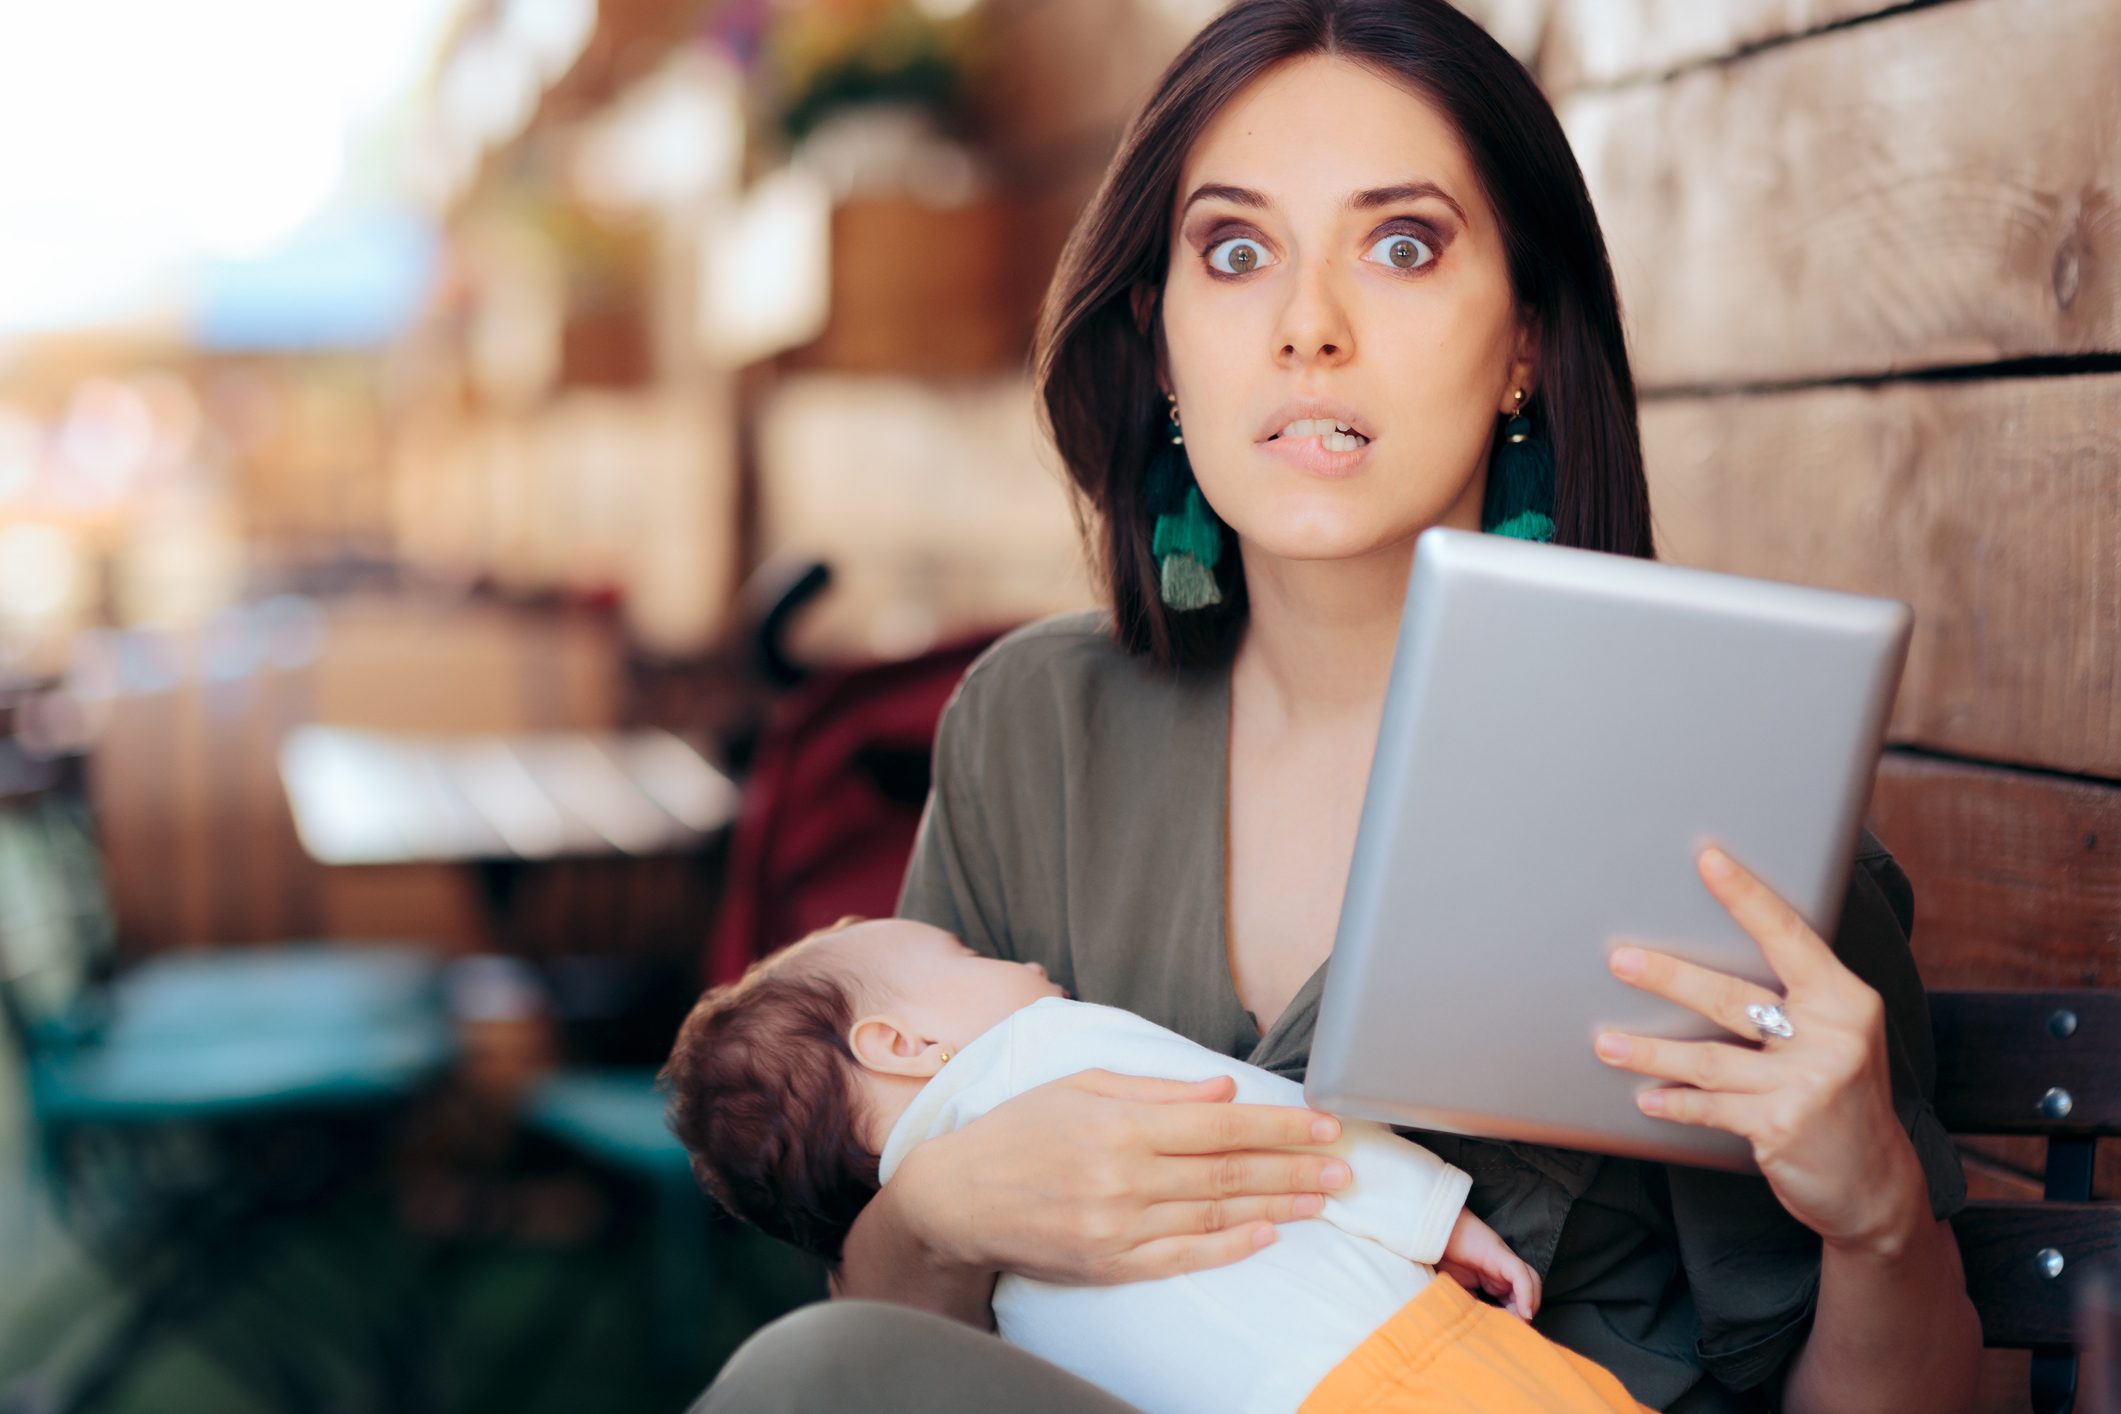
1333, 436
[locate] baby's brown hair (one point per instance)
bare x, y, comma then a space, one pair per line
763, 1094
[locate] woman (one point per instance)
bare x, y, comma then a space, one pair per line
1346, 256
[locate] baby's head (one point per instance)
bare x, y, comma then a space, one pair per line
785, 1084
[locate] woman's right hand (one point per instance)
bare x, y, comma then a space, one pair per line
1091, 1180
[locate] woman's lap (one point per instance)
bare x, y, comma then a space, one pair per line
868, 1357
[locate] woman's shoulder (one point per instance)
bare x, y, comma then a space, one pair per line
1064, 646
1072, 669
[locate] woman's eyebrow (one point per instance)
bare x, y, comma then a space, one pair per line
1405, 191
1236, 196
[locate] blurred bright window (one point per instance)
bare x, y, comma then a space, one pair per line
141, 137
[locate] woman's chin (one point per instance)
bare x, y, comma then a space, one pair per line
1296, 536
1352, 548
1332, 521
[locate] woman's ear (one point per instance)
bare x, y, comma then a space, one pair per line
889, 1045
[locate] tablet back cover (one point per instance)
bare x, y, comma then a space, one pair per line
1564, 731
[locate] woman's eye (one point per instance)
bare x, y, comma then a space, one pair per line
1401, 252
1240, 255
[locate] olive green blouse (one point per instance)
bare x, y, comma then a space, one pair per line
1078, 820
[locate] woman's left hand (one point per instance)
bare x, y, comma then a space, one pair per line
1817, 1107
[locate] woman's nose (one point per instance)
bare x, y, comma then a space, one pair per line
1313, 327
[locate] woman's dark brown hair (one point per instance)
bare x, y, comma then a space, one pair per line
1096, 360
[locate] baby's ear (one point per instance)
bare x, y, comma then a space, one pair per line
888, 1045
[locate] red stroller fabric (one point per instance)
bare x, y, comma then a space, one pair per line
832, 803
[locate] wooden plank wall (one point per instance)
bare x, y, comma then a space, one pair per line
1871, 260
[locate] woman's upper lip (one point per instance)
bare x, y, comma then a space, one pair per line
1311, 410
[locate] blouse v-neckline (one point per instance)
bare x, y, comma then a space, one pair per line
1288, 1039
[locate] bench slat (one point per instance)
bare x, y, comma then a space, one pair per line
2020, 1306
1998, 1056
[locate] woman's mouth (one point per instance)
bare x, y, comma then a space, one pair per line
1332, 435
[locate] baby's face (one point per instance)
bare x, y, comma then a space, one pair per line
938, 982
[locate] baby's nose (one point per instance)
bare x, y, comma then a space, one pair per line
1038, 967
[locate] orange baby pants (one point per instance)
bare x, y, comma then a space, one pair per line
1445, 1353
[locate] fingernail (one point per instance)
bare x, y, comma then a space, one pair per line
1325, 1131
1612, 1047
1716, 864
1626, 962
1308, 1205
1262, 1236
1650, 1102
1334, 1175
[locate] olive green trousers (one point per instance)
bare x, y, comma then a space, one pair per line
866, 1357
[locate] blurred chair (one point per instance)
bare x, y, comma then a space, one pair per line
182, 1102
615, 1117
504, 804
612, 1116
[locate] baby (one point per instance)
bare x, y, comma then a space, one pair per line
801, 1088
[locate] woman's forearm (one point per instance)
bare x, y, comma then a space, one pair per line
1094, 1178
884, 1259
1895, 1330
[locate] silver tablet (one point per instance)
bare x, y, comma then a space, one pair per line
1564, 731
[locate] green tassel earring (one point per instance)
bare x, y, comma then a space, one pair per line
1189, 540
1520, 498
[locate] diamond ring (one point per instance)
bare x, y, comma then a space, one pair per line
1772, 1022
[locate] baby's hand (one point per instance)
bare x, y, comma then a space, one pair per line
1482, 1261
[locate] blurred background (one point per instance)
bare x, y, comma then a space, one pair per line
494, 495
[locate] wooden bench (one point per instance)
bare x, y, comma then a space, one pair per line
2044, 1064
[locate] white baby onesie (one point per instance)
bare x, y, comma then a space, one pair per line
1256, 1336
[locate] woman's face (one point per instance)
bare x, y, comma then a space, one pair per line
1339, 325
